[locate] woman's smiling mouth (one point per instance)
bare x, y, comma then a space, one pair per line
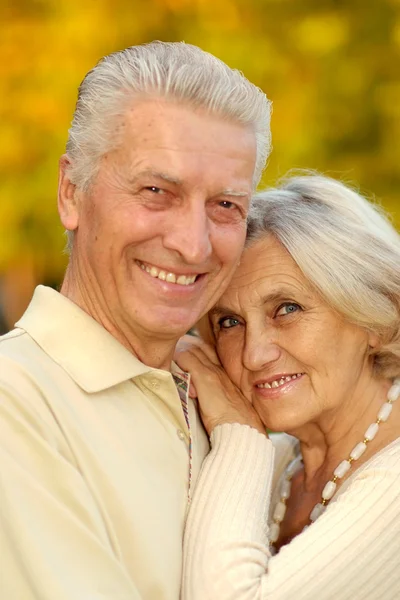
279, 382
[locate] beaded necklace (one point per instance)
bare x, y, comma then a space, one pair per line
330, 487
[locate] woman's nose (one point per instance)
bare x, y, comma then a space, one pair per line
260, 351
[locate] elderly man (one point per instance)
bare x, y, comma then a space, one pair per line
100, 446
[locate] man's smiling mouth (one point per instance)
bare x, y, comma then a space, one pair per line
168, 276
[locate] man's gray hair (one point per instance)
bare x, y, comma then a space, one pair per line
172, 70
346, 248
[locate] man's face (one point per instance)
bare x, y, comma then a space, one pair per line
160, 233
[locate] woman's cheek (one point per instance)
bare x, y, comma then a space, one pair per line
230, 357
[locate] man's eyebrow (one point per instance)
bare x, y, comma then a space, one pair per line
176, 181
237, 193
156, 175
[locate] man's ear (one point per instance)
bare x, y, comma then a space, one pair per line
67, 196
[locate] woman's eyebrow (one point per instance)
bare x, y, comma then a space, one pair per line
282, 294
278, 296
219, 310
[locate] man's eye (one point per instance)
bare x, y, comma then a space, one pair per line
154, 189
287, 308
227, 322
227, 204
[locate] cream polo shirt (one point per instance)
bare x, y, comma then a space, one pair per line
95, 454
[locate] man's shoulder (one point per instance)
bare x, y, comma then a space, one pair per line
15, 347
26, 371
10, 335
19, 351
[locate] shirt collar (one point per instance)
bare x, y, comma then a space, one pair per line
80, 345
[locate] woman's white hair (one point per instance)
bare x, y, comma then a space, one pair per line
345, 246
172, 70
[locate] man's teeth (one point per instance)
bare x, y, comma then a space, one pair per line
278, 382
169, 277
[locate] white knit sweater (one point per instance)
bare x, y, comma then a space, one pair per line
352, 552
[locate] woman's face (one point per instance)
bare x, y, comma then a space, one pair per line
278, 340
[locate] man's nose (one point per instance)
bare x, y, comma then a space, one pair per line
261, 349
190, 235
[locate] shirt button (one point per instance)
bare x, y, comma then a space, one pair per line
154, 384
180, 433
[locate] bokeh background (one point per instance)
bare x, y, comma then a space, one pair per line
331, 68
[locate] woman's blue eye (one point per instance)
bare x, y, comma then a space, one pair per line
287, 308
227, 322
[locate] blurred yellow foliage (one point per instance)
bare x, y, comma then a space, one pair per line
330, 67
320, 34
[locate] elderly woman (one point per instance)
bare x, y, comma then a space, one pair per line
306, 341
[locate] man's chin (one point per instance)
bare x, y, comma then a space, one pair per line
171, 323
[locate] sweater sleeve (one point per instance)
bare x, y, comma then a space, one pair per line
351, 552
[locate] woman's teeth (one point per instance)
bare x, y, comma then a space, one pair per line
278, 382
168, 277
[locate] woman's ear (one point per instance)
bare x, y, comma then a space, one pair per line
374, 341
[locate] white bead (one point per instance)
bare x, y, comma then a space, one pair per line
285, 488
394, 391
342, 469
329, 490
316, 512
279, 512
330, 487
385, 411
292, 467
274, 532
358, 451
371, 431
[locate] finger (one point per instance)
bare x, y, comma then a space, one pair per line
193, 362
210, 352
205, 354
188, 341
192, 390
204, 375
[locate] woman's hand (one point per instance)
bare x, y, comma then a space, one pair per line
220, 401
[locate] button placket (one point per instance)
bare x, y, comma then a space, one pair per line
181, 435
181, 382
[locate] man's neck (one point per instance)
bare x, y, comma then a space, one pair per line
151, 351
